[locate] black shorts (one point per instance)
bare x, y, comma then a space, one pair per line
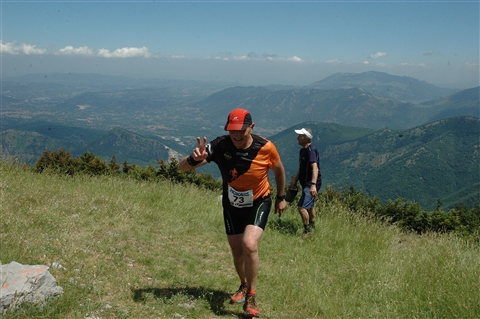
237, 219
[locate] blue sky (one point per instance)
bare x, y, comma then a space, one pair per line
250, 42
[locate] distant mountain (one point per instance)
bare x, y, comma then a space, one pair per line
325, 134
131, 147
190, 109
465, 102
274, 111
401, 88
53, 130
439, 160
28, 145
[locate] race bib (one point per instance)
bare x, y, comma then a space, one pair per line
240, 199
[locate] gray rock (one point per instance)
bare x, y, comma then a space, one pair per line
26, 283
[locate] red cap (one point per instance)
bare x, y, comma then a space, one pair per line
238, 120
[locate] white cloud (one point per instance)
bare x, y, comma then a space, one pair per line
69, 50
125, 53
295, 59
253, 57
334, 61
471, 65
428, 52
131, 52
243, 57
377, 55
28, 49
13, 48
366, 62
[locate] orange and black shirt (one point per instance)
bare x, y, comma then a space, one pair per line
244, 169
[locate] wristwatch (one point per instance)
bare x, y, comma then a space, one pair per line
280, 197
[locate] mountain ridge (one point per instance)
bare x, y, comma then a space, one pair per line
402, 88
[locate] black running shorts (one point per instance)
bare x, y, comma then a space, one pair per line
237, 219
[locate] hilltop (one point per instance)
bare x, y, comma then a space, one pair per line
123, 248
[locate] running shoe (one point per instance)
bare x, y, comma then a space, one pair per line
307, 232
250, 308
239, 295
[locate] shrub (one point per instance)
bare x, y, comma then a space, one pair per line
60, 162
169, 170
91, 165
114, 166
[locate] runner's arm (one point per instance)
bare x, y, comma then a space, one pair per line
279, 172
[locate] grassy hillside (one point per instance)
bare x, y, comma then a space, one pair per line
158, 250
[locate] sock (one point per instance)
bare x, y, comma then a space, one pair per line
252, 292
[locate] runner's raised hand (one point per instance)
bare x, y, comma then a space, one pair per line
200, 153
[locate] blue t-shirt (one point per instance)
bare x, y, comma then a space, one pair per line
307, 156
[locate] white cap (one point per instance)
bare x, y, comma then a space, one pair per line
304, 132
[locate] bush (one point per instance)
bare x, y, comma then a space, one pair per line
91, 165
407, 215
169, 170
62, 162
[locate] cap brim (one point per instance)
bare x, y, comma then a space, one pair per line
235, 127
304, 132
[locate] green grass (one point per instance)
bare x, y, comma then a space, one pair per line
158, 250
